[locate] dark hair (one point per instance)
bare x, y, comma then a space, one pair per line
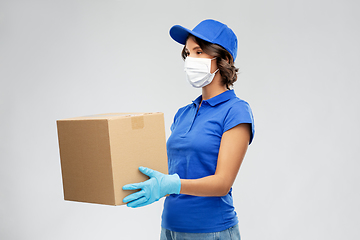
224, 60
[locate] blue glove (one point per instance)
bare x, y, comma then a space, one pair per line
153, 189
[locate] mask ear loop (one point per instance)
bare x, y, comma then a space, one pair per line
215, 72
216, 69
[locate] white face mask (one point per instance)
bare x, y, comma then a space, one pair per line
198, 71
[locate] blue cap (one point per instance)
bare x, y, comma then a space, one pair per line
211, 31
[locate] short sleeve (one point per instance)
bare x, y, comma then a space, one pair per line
172, 127
175, 121
240, 112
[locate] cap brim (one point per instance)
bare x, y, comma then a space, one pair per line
180, 34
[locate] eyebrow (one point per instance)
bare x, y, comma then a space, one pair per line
197, 47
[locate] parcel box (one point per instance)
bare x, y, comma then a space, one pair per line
101, 153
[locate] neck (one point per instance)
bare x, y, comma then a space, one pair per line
214, 88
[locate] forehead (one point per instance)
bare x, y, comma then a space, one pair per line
191, 43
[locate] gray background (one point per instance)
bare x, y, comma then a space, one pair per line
299, 63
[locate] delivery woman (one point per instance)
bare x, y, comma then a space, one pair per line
209, 139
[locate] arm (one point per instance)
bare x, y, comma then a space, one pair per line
233, 147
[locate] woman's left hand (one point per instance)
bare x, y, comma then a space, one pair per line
153, 189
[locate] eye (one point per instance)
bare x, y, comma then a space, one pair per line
199, 52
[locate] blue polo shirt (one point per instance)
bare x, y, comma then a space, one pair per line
192, 149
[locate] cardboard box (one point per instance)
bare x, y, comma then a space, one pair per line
101, 153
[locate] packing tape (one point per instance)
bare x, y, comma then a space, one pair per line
137, 122
111, 115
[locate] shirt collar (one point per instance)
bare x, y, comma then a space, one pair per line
223, 97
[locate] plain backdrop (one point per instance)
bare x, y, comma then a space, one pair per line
299, 70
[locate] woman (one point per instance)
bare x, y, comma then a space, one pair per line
208, 142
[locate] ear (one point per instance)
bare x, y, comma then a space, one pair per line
227, 59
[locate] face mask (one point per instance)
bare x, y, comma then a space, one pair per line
198, 71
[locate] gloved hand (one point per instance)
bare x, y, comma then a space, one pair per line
153, 189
